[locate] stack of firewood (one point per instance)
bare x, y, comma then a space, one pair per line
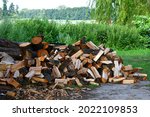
81, 63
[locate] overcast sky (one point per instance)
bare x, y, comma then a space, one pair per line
47, 4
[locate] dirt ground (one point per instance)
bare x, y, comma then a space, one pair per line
138, 91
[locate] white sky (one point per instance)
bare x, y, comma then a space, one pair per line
47, 4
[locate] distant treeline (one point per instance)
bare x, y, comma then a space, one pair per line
78, 13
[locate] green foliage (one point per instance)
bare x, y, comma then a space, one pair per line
143, 24
62, 13
5, 11
5, 28
124, 37
120, 11
1, 13
24, 30
115, 36
11, 9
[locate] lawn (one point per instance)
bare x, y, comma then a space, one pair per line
137, 58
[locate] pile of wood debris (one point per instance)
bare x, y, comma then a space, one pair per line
81, 64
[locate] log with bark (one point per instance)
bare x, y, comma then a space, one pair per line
11, 48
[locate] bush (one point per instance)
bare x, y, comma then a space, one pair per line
114, 36
143, 24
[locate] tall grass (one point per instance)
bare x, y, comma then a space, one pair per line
115, 36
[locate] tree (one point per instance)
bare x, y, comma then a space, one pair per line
1, 13
17, 9
5, 11
11, 9
120, 11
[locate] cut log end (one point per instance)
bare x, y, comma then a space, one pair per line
42, 52
37, 40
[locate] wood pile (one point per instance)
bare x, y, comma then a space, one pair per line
81, 63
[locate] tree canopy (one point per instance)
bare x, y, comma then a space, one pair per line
120, 11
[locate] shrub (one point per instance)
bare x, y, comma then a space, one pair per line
114, 36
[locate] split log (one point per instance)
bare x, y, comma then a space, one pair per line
6, 59
77, 54
78, 82
18, 66
30, 74
13, 82
34, 91
127, 68
106, 62
37, 79
4, 67
25, 44
88, 80
106, 51
63, 81
91, 45
11, 93
117, 69
37, 70
95, 72
85, 61
110, 80
138, 75
116, 80
38, 62
91, 73
82, 71
16, 74
76, 43
126, 81
29, 62
1, 74
78, 64
45, 45
98, 55
105, 75
94, 83
3, 83
56, 72
61, 47
57, 57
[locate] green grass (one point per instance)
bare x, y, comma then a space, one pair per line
137, 58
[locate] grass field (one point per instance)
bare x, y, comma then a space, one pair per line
137, 58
